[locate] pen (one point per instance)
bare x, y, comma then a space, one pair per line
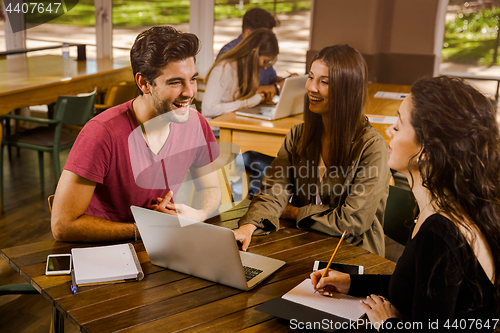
73, 284
331, 259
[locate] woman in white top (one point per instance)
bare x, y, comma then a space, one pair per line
233, 80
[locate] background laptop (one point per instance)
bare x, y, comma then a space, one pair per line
200, 249
291, 101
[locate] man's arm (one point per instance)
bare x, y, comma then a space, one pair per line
206, 200
208, 191
69, 222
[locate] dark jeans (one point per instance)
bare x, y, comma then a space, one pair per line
256, 165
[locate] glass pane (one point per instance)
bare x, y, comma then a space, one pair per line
470, 43
292, 31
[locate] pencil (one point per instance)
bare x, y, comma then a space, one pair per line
73, 286
331, 259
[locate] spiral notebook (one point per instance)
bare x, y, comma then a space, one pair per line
106, 264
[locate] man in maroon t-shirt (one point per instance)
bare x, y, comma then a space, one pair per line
138, 153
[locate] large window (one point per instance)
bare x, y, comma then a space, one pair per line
292, 32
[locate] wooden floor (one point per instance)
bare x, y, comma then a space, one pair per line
25, 219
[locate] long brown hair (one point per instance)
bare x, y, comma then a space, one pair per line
261, 42
347, 91
457, 129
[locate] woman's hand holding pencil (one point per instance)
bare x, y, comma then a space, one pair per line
327, 281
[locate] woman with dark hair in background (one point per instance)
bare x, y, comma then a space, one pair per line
334, 164
446, 142
233, 80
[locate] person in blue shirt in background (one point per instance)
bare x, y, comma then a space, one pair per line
256, 18
253, 19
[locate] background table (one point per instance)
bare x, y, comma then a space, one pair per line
27, 81
267, 136
167, 301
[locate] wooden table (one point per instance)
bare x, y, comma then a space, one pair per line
166, 301
267, 136
27, 81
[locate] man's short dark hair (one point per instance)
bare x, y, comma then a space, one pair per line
258, 18
154, 48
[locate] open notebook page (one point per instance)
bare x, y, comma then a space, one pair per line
339, 305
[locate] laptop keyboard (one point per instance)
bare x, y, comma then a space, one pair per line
251, 272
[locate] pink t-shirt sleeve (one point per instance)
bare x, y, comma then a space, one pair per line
90, 156
211, 151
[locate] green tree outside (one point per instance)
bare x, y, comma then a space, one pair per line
470, 38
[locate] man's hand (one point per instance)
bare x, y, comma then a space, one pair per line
165, 206
244, 235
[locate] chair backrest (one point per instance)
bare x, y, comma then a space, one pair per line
50, 201
75, 110
232, 177
399, 214
119, 93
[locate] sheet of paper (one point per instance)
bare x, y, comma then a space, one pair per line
339, 305
375, 119
390, 95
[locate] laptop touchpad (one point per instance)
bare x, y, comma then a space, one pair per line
265, 110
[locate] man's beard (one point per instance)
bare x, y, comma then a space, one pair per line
166, 110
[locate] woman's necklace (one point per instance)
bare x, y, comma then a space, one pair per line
418, 215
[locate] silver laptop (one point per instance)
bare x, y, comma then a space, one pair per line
200, 249
291, 101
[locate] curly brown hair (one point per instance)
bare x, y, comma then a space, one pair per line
457, 129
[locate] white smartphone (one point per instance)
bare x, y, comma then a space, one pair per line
344, 268
58, 264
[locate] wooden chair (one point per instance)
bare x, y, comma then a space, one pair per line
50, 201
118, 93
69, 110
18, 289
399, 213
229, 173
25, 289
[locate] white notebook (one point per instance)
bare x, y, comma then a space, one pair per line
339, 305
376, 119
106, 264
391, 95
